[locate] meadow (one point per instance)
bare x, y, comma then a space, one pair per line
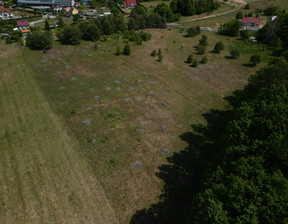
127, 112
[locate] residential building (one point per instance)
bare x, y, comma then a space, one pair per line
129, 3
251, 22
5, 13
23, 25
71, 10
51, 3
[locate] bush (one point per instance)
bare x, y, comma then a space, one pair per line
204, 60
203, 41
160, 56
271, 11
219, 46
201, 50
255, 59
70, 35
244, 34
189, 59
127, 50
118, 51
193, 31
195, 63
247, 6
38, 41
235, 53
230, 29
153, 53
239, 15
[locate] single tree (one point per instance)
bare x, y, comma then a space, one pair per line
219, 46
204, 60
126, 50
47, 26
201, 49
203, 41
153, 53
61, 22
255, 59
118, 51
189, 59
160, 56
239, 15
194, 63
192, 32
244, 34
38, 40
70, 35
235, 53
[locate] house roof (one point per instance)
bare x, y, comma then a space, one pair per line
130, 2
22, 23
251, 20
5, 9
26, 31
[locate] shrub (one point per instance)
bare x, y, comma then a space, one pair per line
204, 60
118, 51
201, 50
244, 34
235, 53
255, 59
219, 46
230, 29
192, 32
239, 15
127, 50
195, 63
203, 41
160, 56
189, 59
153, 53
38, 40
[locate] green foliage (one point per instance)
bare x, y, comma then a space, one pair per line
90, 31
70, 35
189, 59
203, 41
193, 31
235, 53
219, 46
160, 56
127, 50
153, 53
239, 15
255, 59
204, 60
118, 51
39, 40
47, 26
136, 37
191, 7
230, 29
60, 21
271, 11
201, 49
244, 34
194, 63
165, 12
247, 6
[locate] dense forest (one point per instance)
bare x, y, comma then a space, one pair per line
235, 169
192, 7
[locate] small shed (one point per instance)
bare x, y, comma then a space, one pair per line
23, 25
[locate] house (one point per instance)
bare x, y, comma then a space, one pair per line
25, 32
46, 2
5, 13
23, 25
251, 21
129, 3
71, 10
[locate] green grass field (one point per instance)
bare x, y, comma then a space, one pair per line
43, 177
111, 143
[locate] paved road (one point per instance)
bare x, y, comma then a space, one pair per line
34, 22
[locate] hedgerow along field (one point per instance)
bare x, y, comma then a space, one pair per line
43, 176
75, 116
128, 111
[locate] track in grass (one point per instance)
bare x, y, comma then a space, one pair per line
43, 179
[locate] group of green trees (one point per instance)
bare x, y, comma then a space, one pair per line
192, 7
139, 19
193, 31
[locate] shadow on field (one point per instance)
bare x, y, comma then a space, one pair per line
184, 174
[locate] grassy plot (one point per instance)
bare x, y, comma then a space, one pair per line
43, 178
126, 111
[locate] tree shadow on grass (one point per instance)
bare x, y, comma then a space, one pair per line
249, 65
184, 174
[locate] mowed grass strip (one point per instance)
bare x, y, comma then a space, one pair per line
42, 177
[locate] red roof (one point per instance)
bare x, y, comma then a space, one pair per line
251, 20
22, 23
130, 2
5, 9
